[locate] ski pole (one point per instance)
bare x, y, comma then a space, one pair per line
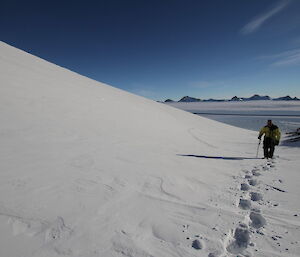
258, 148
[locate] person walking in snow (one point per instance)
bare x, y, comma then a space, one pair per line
272, 138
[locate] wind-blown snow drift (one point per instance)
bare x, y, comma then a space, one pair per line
91, 170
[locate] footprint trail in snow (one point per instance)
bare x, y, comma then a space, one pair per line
240, 238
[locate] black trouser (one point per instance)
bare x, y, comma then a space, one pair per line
269, 147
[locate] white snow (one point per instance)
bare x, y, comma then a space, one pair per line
90, 170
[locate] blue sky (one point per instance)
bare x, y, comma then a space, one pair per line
166, 48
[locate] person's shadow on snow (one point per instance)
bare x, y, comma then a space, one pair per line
218, 157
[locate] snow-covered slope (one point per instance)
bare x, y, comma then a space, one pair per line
90, 170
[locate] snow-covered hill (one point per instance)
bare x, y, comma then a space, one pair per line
90, 170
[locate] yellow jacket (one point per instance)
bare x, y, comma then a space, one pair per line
271, 132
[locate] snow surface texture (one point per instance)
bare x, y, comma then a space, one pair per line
89, 170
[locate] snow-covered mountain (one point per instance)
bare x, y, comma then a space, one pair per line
257, 97
286, 98
90, 170
188, 99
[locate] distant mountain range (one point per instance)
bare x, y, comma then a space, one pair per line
188, 99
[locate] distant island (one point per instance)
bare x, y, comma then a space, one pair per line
188, 99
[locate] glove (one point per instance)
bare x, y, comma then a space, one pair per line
276, 142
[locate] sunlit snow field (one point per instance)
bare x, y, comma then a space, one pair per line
249, 115
88, 170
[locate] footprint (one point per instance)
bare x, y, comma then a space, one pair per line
256, 173
266, 167
245, 204
242, 239
197, 244
245, 187
257, 220
270, 164
57, 230
256, 196
252, 182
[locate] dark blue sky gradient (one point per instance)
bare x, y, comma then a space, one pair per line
165, 48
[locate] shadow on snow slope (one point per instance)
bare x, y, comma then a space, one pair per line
218, 157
